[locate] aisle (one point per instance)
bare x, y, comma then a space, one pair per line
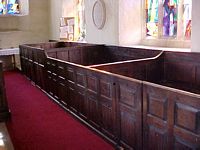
39, 124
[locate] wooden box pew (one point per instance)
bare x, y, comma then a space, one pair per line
33, 57
110, 103
52, 45
138, 98
172, 108
32, 64
89, 55
171, 101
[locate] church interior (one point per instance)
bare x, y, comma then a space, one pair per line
99, 74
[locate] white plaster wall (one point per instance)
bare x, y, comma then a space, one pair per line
109, 33
66, 8
130, 22
69, 8
195, 25
55, 7
58, 9
122, 23
32, 28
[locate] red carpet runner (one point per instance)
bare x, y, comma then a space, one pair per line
39, 124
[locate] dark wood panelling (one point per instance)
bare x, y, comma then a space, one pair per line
157, 107
180, 72
180, 127
133, 113
7, 62
93, 113
107, 105
32, 64
81, 98
129, 113
4, 110
92, 83
183, 113
88, 54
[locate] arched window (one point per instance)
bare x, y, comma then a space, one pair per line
168, 19
81, 20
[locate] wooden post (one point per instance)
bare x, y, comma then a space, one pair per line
4, 110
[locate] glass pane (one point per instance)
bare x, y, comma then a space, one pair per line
152, 17
170, 17
2, 7
187, 18
81, 20
13, 7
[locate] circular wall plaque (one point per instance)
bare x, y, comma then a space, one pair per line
99, 14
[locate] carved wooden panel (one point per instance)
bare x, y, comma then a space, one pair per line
157, 138
128, 128
92, 83
40, 76
23, 64
184, 113
80, 79
183, 145
155, 109
129, 113
72, 95
107, 117
71, 89
30, 54
106, 105
61, 70
105, 89
41, 58
93, 110
70, 74
81, 93
128, 95
54, 88
52, 78
172, 113
186, 121
82, 103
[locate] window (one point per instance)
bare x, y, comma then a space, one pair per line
80, 21
9, 7
168, 19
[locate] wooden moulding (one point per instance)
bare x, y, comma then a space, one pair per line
139, 101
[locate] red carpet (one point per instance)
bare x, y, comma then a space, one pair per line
39, 124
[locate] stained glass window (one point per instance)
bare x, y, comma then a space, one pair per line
2, 7
81, 20
187, 18
152, 17
13, 7
9, 7
170, 17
